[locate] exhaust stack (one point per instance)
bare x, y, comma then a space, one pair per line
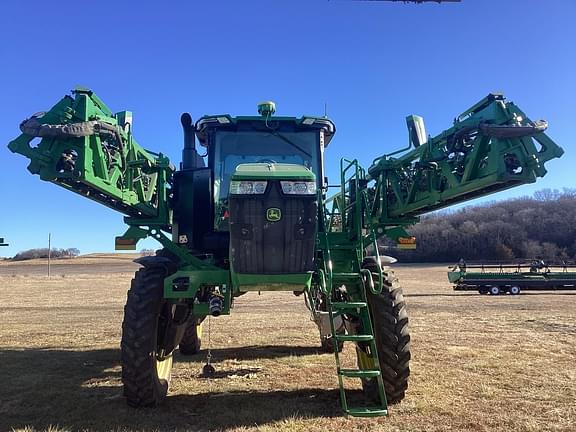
190, 157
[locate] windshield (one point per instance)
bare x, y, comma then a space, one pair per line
235, 148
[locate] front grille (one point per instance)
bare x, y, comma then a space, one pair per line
261, 246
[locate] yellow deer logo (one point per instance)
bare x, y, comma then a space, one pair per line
273, 214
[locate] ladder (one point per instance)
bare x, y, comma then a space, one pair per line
370, 366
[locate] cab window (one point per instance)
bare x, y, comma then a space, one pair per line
235, 148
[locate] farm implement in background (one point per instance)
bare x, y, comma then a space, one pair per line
254, 213
512, 279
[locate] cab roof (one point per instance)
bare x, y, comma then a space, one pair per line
207, 124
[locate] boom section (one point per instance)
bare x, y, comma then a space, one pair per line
87, 149
491, 147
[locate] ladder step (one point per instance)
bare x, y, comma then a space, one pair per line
354, 338
348, 305
359, 373
346, 276
367, 412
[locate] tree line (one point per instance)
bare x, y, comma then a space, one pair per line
542, 226
43, 253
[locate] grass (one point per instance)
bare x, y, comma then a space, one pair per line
479, 363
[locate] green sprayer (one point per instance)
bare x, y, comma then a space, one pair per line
250, 209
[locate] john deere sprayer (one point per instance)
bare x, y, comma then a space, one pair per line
250, 209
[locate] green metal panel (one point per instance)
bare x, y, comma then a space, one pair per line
196, 278
455, 276
264, 282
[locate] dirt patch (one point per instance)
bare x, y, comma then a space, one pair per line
480, 363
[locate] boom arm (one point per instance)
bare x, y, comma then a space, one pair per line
86, 148
491, 147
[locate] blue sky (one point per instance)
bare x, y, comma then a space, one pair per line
372, 63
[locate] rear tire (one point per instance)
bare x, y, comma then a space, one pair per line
494, 290
390, 323
146, 372
514, 290
192, 340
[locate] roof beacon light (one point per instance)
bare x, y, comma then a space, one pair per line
267, 108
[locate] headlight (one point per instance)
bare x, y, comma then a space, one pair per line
242, 187
298, 187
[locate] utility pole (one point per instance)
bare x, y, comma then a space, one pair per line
49, 251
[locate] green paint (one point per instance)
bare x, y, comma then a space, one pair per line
281, 282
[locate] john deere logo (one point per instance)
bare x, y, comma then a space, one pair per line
273, 214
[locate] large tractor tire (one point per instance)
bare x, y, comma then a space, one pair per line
146, 365
390, 324
192, 340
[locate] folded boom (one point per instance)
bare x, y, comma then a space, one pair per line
86, 148
491, 147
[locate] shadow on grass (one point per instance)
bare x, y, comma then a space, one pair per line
81, 390
255, 352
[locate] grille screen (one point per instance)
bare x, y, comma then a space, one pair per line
272, 233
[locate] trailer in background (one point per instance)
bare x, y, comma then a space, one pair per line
498, 279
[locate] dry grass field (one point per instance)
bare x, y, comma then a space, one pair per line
479, 363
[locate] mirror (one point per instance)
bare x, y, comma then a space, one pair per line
416, 130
